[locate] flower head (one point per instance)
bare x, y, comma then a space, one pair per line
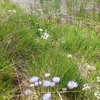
45, 36
34, 79
37, 83
40, 29
52, 84
69, 56
31, 85
86, 87
56, 79
97, 94
72, 84
47, 74
46, 83
27, 92
46, 96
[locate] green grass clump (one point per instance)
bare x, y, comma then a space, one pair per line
24, 53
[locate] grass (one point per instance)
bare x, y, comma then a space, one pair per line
23, 54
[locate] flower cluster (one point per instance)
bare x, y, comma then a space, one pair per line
97, 95
45, 35
86, 87
98, 78
36, 82
69, 55
48, 83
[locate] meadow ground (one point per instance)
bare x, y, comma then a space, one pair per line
30, 46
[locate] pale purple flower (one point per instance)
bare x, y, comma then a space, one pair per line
47, 74
34, 79
52, 84
46, 83
56, 79
31, 85
37, 83
45, 35
46, 96
27, 92
72, 84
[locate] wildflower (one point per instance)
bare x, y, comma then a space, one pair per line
86, 87
37, 83
46, 83
52, 84
45, 35
47, 74
31, 85
34, 79
40, 29
56, 79
64, 89
72, 84
27, 92
97, 94
14, 11
69, 56
98, 79
47, 96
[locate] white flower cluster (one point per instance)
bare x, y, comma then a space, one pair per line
97, 95
45, 35
69, 55
86, 87
98, 78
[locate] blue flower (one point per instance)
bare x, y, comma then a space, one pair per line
46, 83
34, 79
27, 92
56, 79
72, 84
46, 96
